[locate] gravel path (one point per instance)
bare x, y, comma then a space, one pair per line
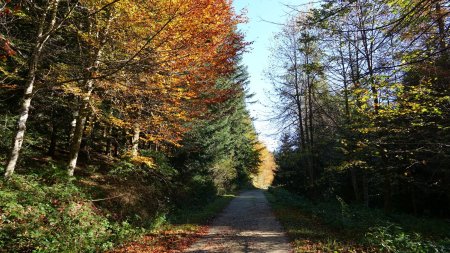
246, 225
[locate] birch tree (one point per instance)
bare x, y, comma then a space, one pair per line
49, 21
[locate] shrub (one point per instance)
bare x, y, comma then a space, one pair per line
393, 238
53, 218
388, 233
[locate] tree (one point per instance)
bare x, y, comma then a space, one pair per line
47, 21
384, 65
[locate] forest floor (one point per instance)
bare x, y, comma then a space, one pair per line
246, 225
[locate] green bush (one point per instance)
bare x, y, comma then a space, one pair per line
393, 238
53, 218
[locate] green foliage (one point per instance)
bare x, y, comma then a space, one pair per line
53, 218
221, 149
393, 238
390, 233
379, 132
224, 174
125, 168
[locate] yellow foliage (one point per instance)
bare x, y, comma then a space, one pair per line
148, 161
266, 170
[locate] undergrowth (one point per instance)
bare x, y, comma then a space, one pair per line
45, 211
337, 226
57, 217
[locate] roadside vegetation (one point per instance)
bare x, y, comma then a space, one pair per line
362, 101
41, 215
335, 226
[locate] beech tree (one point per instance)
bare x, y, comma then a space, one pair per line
48, 19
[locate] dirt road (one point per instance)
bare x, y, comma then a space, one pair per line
246, 225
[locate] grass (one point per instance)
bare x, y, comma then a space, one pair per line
337, 227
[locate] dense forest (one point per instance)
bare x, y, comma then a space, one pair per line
127, 120
115, 114
364, 98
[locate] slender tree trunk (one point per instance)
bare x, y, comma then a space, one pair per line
135, 140
369, 62
86, 99
298, 101
311, 115
88, 140
311, 133
308, 144
73, 124
306, 119
77, 136
41, 39
344, 76
368, 54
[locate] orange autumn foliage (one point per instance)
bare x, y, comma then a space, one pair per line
183, 48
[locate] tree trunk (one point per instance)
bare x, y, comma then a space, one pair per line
77, 136
135, 140
33, 63
298, 100
73, 125
345, 81
311, 134
85, 102
306, 120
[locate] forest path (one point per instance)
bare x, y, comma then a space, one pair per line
246, 225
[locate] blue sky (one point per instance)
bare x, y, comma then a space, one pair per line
261, 33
